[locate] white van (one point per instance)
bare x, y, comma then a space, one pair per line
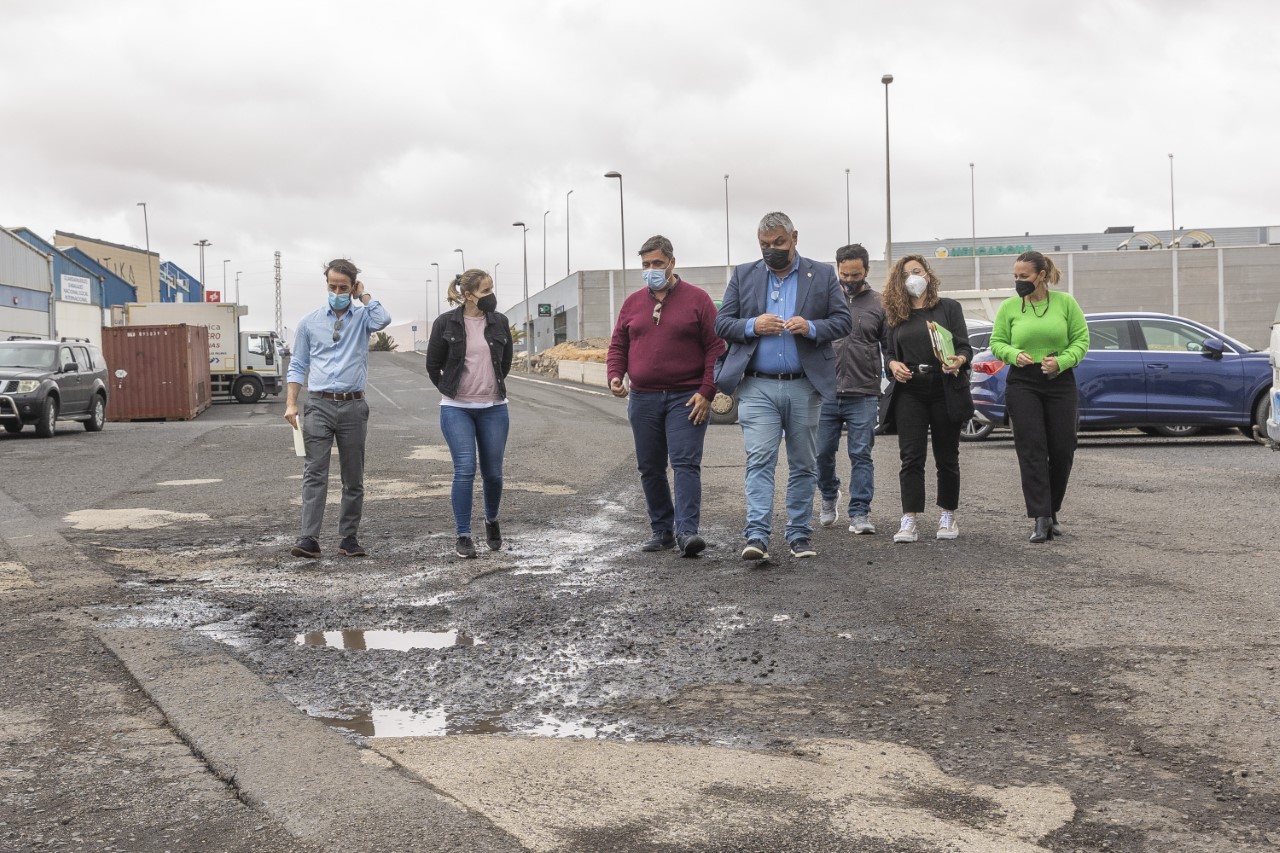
1273, 419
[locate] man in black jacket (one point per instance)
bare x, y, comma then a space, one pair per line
859, 368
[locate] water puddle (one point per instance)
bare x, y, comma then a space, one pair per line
396, 722
400, 641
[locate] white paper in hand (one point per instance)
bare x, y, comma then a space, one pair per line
299, 447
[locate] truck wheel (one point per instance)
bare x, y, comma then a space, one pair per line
97, 414
724, 409
248, 389
48, 423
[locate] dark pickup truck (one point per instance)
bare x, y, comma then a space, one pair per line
43, 381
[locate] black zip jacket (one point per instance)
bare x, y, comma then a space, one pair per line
447, 350
860, 354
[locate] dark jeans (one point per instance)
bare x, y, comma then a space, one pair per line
324, 423
1043, 413
921, 412
662, 430
467, 431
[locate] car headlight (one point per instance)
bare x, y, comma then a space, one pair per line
26, 386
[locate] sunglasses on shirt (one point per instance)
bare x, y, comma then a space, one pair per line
337, 329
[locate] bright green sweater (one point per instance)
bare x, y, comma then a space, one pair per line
1061, 329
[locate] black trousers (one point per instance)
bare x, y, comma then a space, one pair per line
1043, 412
921, 412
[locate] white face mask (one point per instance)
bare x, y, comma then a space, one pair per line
916, 285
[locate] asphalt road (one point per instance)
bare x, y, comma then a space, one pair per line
1111, 690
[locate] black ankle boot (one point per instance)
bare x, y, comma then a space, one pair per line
1054, 527
1044, 529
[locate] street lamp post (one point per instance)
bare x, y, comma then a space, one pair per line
464, 259
728, 256
496, 264
238, 285
146, 228
1173, 220
528, 324
888, 208
567, 268
202, 244
439, 286
622, 219
973, 231
224, 280
848, 217
544, 249
426, 311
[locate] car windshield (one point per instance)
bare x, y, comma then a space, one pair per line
32, 358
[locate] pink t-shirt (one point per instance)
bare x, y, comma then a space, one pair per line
478, 384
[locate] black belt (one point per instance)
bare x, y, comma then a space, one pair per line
758, 375
339, 395
925, 368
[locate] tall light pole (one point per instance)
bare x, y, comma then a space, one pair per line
224, 280
238, 285
439, 287
146, 229
888, 206
464, 259
202, 245
973, 231
567, 268
848, 217
1173, 221
544, 249
528, 319
496, 264
728, 256
622, 218
426, 311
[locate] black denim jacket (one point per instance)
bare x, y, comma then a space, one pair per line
447, 350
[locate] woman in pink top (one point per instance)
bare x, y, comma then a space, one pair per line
468, 359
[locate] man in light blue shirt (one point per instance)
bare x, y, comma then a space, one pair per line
779, 316
331, 355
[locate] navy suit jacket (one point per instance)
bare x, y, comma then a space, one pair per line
819, 300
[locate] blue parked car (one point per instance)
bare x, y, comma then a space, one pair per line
1162, 374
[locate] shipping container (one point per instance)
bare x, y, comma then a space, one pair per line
157, 372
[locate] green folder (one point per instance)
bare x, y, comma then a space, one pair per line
944, 345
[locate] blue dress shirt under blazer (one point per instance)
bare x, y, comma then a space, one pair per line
819, 300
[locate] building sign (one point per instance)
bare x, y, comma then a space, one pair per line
213, 296
544, 309
967, 251
76, 288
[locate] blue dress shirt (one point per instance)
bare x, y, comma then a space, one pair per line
339, 366
777, 353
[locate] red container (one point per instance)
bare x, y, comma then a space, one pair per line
157, 372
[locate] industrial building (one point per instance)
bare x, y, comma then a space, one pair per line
1227, 278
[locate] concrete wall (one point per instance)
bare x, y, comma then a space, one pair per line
77, 320
585, 372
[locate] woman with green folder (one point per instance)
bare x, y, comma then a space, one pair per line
1042, 336
927, 357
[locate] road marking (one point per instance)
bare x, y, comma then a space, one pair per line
187, 482
372, 387
558, 385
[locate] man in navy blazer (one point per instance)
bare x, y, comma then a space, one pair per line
779, 316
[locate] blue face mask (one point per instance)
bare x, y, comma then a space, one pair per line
339, 301
655, 279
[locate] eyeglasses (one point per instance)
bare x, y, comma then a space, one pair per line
657, 312
337, 329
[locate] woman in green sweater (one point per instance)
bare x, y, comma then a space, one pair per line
1042, 336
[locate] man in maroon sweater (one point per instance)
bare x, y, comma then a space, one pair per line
665, 342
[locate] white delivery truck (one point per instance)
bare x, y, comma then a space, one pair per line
244, 366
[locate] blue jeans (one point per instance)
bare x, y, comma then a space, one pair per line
662, 430
860, 414
467, 431
769, 410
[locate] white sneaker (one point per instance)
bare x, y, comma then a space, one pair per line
828, 515
861, 524
947, 527
907, 532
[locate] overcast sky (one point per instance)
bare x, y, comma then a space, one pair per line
395, 132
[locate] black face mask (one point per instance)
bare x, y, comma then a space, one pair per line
777, 259
1024, 288
487, 304
853, 288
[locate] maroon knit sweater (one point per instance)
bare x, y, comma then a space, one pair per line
677, 353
